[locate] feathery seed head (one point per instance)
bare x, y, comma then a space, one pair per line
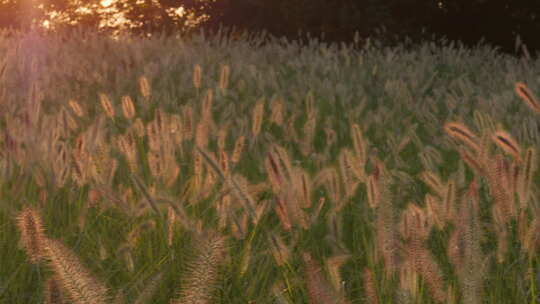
527, 96
127, 107
461, 132
197, 76
277, 112
81, 287
32, 233
76, 108
258, 113
138, 127
224, 77
373, 192
504, 141
107, 105
199, 285
369, 286
144, 86
238, 148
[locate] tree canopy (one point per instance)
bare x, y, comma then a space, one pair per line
497, 21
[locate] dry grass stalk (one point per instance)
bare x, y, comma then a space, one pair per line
138, 127
484, 122
107, 106
76, 108
149, 289
161, 120
239, 230
201, 134
359, 143
414, 223
283, 158
303, 182
223, 209
69, 121
126, 145
75, 279
464, 248
221, 139
525, 177
283, 214
484, 157
175, 128
503, 199
415, 228
224, 162
276, 108
103, 165
292, 198
356, 166
128, 259
197, 170
333, 265
310, 107
433, 180
280, 251
472, 162
197, 76
293, 189
128, 109
319, 290
237, 190
461, 132
504, 141
450, 202
345, 168
171, 220
530, 238
502, 243
513, 178
434, 211
32, 234
206, 114
433, 277
187, 118
280, 187
274, 171
369, 286
238, 148
408, 285
208, 184
199, 284
306, 144
144, 87
153, 133
527, 96
387, 241
224, 77
373, 192
246, 259
257, 118
53, 292
334, 186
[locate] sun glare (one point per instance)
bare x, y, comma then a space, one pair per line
106, 3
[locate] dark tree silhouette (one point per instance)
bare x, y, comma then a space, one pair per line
497, 21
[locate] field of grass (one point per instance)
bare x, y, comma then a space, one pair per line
209, 170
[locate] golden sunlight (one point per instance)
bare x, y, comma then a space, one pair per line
106, 3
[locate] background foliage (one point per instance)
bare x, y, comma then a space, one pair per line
497, 22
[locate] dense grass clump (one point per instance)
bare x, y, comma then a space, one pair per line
207, 170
